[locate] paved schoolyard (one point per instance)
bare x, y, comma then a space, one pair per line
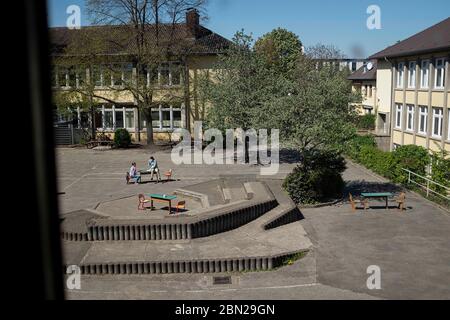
411, 248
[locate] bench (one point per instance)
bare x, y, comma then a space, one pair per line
96, 143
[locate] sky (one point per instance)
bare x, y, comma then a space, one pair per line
341, 23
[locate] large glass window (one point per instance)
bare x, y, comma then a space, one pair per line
412, 74
439, 79
410, 118
423, 119
398, 116
424, 74
438, 115
129, 119
108, 118
119, 118
177, 118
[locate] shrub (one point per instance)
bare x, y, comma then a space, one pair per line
440, 171
317, 178
353, 147
122, 138
366, 122
411, 157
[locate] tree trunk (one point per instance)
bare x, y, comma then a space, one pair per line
93, 124
148, 119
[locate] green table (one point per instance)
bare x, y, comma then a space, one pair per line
386, 195
161, 198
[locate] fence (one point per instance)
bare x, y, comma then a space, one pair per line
427, 184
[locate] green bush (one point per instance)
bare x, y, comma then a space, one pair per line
366, 122
318, 178
353, 147
411, 157
440, 171
122, 138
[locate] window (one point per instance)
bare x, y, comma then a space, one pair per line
448, 124
164, 73
81, 77
410, 118
108, 119
62, 77
127, 74
71, 77
129, 118
165, 117
423, 119
400, 74
117, 75
439, 74
412, 74
424, 73
96, 76
438, 116
175, 74
398, 116
353, 66
119, 118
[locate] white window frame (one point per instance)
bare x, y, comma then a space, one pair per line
400, 74
441, 69
423, 115
425, 76
398, 115
412, 74
440, 116
448, 124
410, 117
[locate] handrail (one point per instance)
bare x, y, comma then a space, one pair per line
427, 186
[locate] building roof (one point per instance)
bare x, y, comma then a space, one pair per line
116, 39
435, 38
363, 74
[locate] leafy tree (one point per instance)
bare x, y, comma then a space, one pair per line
280, 48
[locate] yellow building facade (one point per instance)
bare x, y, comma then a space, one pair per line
176, 102
413, 89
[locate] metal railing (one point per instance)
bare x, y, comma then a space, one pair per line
427, 186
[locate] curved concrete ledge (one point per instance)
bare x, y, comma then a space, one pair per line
193, 266
192, 228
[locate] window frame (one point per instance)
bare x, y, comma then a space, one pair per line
422, 73
400, 80
440, 122
398, 109
442, 68
412, 85
425, 117
410, 111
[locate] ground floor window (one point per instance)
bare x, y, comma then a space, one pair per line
164, 117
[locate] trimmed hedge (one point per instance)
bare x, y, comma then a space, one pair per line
366, 122
363, 150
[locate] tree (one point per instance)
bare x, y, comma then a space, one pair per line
141, 31
310, 106
281, 49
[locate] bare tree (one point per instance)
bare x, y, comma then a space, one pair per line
145, 32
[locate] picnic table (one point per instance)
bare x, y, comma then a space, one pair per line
374, 195
161, 198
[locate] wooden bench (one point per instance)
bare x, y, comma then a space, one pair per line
96, 143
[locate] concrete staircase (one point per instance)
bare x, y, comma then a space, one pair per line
258, 237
